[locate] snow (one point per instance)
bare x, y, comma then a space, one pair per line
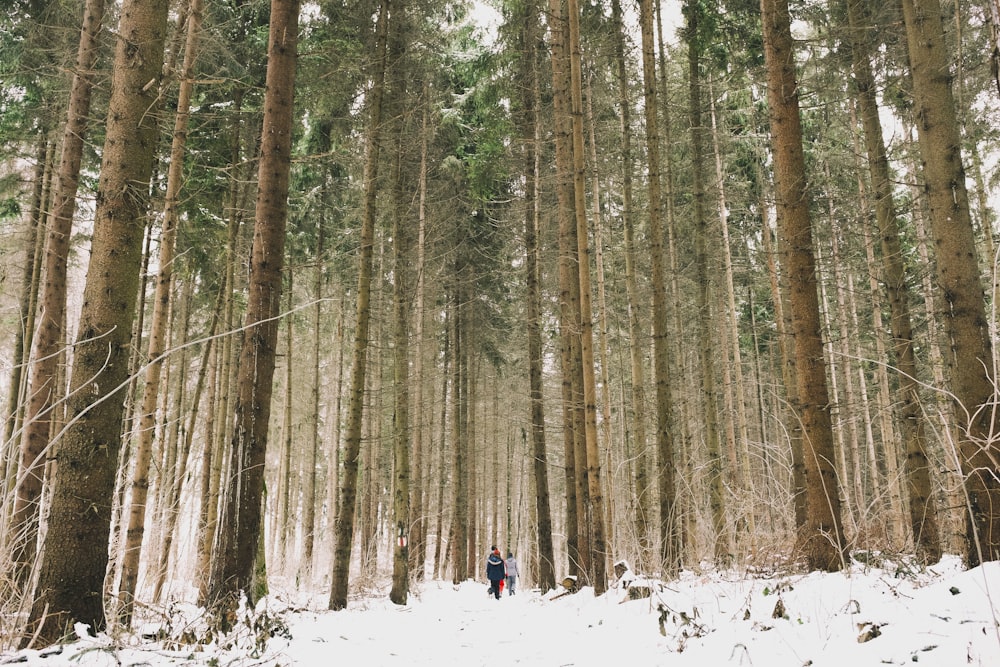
888, 615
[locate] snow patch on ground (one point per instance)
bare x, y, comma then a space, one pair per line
887, 615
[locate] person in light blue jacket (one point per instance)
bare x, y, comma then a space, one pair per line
511, 573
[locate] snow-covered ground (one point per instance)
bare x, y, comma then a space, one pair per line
942, 616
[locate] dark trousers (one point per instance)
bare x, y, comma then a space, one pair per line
495, 588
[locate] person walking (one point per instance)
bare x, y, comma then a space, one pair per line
496, 571
511, 573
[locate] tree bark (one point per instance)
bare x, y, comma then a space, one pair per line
44, 392
34, 243
821, 538
419, 498
569, 283
642, 504
595, 494
970, 362
352, 446
402, 297
158, 325
240, 523
75, 557
670, 531
530, 134
707, 347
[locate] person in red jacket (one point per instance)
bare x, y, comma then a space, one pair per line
496, 571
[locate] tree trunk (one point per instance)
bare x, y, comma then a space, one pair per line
44, 392
569, 283
419, 498
598, 555
971, 359
670, 532
312, 443
34, 243
604, 361
158, 325
643, 489
352, 446
75, 554
459, 444
172, 506
283, 522
942, 455
707, 346
821, 538
739, 437
240, 523
215, 438
402, 297
530, 134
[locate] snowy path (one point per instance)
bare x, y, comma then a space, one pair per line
463, 627
864, 617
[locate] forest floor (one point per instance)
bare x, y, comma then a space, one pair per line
888, 615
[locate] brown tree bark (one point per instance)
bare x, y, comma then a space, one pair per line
240, 522
923, 514
34, 244
569, 283
44, 392
352, 446
402, 297
598, 556
419, 497
821, 539
158, 324
75, 556
530, 134
971, 361
707, 345
670, 530
643, 496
